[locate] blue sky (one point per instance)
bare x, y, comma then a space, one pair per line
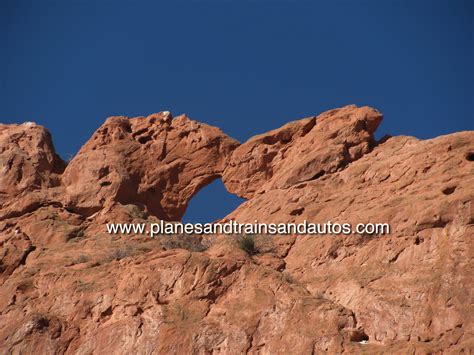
245, 66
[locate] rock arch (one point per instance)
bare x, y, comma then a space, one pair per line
211, 203
158, 162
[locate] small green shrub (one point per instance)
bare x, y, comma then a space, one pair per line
82, 259
247, 244
121, 253
83, 286
184, 241
287, 277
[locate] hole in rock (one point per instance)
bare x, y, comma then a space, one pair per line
104, 171
144, 139
211, 203
470, 156
107, 313
449, 190
359, 336
41, 323
297, 212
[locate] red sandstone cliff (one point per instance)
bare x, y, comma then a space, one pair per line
66, 286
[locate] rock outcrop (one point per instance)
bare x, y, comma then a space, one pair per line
27, 159
301, 151
156, 161
412, 285
68, 287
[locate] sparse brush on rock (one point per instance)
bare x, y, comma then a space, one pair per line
82, 259
121, 253
335, 293
247, 244
183, 241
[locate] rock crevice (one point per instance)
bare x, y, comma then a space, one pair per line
68, 287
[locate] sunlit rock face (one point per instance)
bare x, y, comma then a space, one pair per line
155, 161
27, 159
301, 150
67, 286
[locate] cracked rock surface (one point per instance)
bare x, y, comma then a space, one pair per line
68, 287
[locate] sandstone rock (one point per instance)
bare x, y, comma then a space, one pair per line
405, 286
68, 287
15, 249
301, 150
155, 161
27, 159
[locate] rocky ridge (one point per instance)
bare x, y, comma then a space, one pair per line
68, 287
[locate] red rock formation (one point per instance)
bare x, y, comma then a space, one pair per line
410, 286
301, 150
27, 159
154, 161
66, 286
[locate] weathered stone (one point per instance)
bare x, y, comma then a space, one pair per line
67, 287
301, 151
27, 159
155, 161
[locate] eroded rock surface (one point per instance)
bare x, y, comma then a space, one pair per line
68, 287
27, 159
412, 285
302, 150
156, 161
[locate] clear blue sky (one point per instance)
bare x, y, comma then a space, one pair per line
245, 66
